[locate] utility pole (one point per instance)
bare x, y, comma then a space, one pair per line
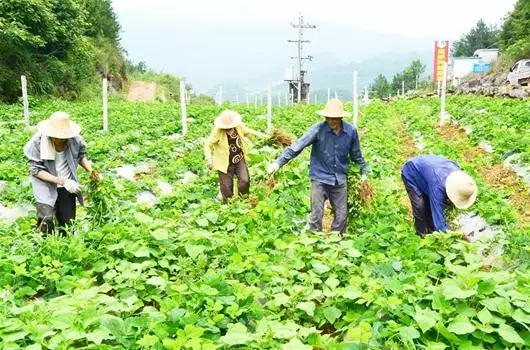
299, 84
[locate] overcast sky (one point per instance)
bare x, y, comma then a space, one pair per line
211, 42
426, 18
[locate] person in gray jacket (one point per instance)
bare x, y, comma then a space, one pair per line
53, 154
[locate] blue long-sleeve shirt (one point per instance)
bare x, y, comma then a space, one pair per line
330, 153
426, 175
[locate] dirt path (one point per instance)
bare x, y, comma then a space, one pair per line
141, 91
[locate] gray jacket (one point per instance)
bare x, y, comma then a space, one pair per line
43, 191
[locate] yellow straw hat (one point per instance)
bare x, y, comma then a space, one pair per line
59, 126
228, 120
461, 189
334, 109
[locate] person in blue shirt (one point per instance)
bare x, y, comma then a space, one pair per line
334, 142
431, 181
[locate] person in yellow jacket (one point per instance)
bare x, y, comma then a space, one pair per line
229, 144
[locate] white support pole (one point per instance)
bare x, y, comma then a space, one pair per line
287, 98
24, 83
220, 95
299, 99
316, 99
269, 109
355, 100
260, 99
403, 88
397, 93
366, 97
336, 96
255, 101
105, 105
248, 102
329, 94
439, 88
183, 108
444, 87
279, 99
237, 99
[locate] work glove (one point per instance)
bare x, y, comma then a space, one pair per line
71, 186
363, 177
272, 168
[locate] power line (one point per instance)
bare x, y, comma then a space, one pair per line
299, 84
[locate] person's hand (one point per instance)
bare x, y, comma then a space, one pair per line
95, 176
272, 168
363, 178
71, 186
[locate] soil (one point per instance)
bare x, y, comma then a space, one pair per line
141, 91
495, 175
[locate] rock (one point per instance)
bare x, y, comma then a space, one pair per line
517, 93
474, 83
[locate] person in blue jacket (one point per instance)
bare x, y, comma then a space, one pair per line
334, 143
431, 181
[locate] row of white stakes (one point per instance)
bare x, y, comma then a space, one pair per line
185, 99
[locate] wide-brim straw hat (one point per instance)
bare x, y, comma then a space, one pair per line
59, 126
334, 109
228, 120
461, 189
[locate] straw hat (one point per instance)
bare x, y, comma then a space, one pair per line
461, 189
59, 126
334, 109
228, 120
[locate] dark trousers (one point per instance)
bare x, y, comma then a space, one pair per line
421, 211
226, 181
63, 211
338, 198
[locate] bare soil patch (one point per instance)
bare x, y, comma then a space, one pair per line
141, 91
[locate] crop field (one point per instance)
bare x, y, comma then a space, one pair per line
157, 261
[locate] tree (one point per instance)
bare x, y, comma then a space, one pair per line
380, 87
58, 44
481, 36
515, 32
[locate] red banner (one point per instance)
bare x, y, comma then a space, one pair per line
441, 56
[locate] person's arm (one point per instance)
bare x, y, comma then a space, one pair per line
46, 176
355, 153
251, 132
208, 144
36, 164
298, 146
437, 203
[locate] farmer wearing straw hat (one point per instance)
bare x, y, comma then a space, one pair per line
334, 142
53, 154
225, 152
430, 181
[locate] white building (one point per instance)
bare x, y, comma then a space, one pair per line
459, 67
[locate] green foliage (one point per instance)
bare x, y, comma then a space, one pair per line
481, 36
193, 273
57, 44
515, 32
380, 87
